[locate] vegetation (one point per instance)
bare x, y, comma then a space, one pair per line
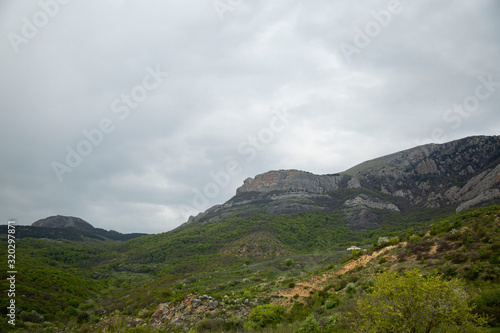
414, 303
294, 269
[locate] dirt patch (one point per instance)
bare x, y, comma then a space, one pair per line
303, 288
433, 250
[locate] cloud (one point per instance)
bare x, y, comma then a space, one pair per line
228, 75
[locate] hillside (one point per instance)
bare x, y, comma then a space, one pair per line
281, 240
97, 290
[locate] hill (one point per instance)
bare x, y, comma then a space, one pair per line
59, 221
67, 227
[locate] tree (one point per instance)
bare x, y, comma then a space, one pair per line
414, 303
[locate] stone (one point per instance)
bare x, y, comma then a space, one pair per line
212, 305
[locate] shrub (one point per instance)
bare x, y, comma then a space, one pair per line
414, 303
420, 248
328, 324
265, 315
32, 316
443, 246
339, 285
234, 322
382, 260
332, 301
414, 239
350, 289
402, 256
448, 270
83, 317
394, 240
383, 241
208, 324
310, 325
458, 258
488, 303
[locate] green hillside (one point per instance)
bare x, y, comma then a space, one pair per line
295, 261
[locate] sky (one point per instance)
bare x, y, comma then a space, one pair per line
134, 115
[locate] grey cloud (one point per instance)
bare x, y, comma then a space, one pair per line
226, 80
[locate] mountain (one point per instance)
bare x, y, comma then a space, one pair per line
282, 240
59, 221
433, 178
67, 227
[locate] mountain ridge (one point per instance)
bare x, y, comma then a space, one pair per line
458, 174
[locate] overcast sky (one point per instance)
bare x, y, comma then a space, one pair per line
134, 115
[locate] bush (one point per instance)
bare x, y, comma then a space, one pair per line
234, 323
488, 303
414, 303
265, 315
310, 325
448, 270
32, 316
339, 285
443, 246
332, 301
350, 289
414, 239
208, 324
383, 241
328, 324
83, 317
459, 257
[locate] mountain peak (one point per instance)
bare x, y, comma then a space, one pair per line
60, 221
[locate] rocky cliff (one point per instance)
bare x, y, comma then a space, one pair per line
455, 175
291, 180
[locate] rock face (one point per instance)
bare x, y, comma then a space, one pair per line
290, 180
459, 174
367, 202
437, 176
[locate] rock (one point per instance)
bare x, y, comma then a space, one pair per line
159, 313
365, 201
290, 180
486, 196
196, 303
353, 183
212, 305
